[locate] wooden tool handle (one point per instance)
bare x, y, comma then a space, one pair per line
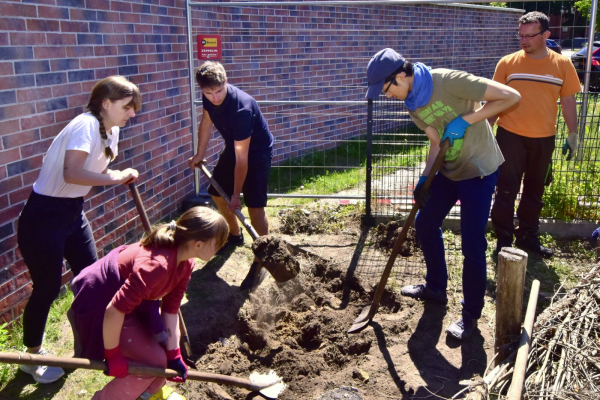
140, 370
445, 145
140, 207
225, 197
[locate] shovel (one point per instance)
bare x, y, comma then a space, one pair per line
184, 341
250, 229
367, 313
271, 386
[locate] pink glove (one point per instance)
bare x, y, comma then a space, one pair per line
116, 363
175, 361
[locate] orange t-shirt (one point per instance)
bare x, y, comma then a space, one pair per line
540, 83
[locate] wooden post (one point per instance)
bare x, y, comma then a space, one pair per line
512, 264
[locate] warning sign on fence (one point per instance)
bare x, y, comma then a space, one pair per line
209, 47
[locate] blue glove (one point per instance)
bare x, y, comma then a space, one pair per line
421, 195
596, 233
455, 129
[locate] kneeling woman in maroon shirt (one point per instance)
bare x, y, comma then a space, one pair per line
104, 316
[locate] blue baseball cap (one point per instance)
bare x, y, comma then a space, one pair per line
382, 65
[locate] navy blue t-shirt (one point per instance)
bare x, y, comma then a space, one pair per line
239, 118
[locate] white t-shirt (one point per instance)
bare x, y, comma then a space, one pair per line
83, 133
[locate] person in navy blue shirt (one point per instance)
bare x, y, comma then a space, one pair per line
245, 161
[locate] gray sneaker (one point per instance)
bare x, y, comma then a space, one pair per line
42, 373
462, 328
422, 292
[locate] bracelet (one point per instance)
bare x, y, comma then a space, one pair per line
236, 195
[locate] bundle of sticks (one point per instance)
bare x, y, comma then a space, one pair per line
564, 358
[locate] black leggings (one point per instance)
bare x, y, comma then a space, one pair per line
50, 229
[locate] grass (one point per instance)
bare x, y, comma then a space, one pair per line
58, 340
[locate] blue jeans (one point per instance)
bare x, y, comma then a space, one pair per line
475, 196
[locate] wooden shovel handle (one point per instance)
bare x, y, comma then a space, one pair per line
225, 197
140, 370
445, 145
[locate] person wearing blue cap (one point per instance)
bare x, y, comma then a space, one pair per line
446, 105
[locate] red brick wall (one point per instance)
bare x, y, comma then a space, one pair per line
51, 53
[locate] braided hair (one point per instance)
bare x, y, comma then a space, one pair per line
112, 88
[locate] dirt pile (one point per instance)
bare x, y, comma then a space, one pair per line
276, 258
299, 330
323, 220
387, 234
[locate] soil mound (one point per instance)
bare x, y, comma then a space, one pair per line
276, 258
387, 234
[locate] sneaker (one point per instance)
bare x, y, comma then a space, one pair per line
249, 280
232, 242
501, 243
42, 373
532, 243
463, 327
422, 292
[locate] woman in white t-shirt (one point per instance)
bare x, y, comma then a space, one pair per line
52, 225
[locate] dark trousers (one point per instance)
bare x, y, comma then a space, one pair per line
50, 229
531, 157
475, 197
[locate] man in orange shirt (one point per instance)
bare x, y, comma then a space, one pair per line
526, 131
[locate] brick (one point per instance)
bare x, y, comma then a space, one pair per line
71, 3
74, 26
83, 15
34, 149
17, 10
31, 94
108, 16
37, 121
15, 298
64, 64
113, 39
51, 105
49, 52
22, 279
16, 53
12, 24
7, 259
43, 25
83, 38
53, 78
6, 69
80, 51
9, 156
8, 185
53, 12
82, 75
16, 111
130, 18
51, 131
128, 70
98, 4
78, 100
20, 167
8, 97
67, 115
12, 82
65, 90
103, 73
31, 67
123, 28
27, 38
20, 195
106, 50
9, 127
120, 6
116, 61
7, 288
92, 62
57, 39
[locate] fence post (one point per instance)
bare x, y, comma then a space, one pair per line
369, 161
512, 264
